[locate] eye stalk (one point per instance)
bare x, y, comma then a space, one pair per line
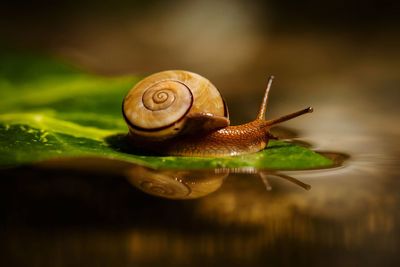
263, 107
290, 116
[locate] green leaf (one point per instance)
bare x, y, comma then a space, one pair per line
51, 110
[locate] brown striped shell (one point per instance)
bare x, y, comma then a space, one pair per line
158, 106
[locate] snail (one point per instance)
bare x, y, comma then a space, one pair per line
181, 113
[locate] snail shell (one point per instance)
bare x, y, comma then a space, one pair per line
160, 106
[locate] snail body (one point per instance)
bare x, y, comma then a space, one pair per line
181, 113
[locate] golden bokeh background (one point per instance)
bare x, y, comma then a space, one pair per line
341, 57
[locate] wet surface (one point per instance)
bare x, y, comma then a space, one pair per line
349, 216
60, 212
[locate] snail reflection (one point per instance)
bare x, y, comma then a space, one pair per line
178, 184
175, 184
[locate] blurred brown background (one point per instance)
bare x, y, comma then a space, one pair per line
342, 57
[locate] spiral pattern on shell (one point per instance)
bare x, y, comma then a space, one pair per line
162, 184
175, 184
159, 105
156, 98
